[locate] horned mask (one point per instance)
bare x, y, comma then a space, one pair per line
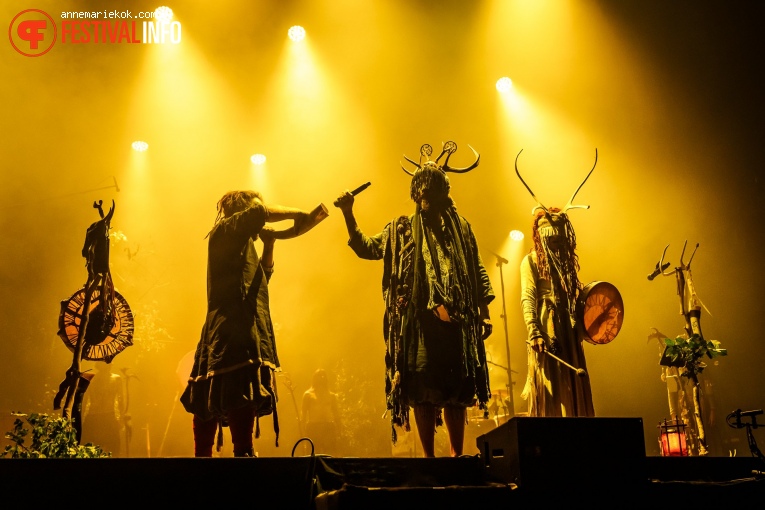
553, 216
431, 174
552, 232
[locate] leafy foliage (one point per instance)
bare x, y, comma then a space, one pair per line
51, 437
366, 433
691, 351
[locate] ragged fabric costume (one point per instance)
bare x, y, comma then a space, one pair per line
549, 311
429, 360
236, 355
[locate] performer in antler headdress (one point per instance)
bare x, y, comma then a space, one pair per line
557, 383
436, 293
232, 380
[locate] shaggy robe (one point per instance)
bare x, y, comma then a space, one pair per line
552, 389
429, 360
236, 354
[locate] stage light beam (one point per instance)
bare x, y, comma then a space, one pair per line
163, 14
296, 33
504, 84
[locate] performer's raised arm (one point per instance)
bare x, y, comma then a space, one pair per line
345, 203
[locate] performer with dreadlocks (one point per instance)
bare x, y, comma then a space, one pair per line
232, 380
436, 293
549, 290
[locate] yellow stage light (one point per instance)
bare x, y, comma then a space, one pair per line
258, 159
140, 146
504, 84
516, 235
163, 13
296, 33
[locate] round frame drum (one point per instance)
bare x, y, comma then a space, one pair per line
97, 346
600, 312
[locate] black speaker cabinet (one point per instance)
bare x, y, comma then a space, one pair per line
552, 452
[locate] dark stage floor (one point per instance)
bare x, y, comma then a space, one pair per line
526, 461
324, 483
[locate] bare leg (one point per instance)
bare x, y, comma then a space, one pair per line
425, 417
454, 417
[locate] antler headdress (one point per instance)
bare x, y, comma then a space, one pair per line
569, 204
555, 222
449, 148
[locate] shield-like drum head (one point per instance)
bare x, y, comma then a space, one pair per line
600, 312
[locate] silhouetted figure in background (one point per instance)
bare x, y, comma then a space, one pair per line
321, 415
103, 408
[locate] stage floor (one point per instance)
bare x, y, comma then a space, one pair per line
593, 461
326, 482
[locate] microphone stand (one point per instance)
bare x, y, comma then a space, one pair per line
500, 262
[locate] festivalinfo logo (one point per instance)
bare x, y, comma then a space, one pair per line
33, 32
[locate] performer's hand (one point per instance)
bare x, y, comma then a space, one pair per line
486, 328
267, 235
538, 344
345, 201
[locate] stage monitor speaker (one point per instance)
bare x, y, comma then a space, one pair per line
552, 452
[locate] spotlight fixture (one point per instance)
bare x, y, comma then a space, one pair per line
504, 84
296, 33
516, 235
258, 159
140, 146
164, 14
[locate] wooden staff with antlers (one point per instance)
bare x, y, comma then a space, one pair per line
692, 349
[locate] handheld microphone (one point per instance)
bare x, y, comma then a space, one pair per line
356, 191
361, 188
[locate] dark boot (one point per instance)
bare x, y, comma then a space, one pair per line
245, 453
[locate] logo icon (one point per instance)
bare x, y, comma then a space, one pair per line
32, 32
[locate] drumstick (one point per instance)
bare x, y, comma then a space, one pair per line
579, 371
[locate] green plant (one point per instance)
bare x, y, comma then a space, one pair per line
365, 431
688, 354
51, 437
691, 352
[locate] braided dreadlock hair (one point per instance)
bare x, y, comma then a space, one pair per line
234, 202
565, 259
